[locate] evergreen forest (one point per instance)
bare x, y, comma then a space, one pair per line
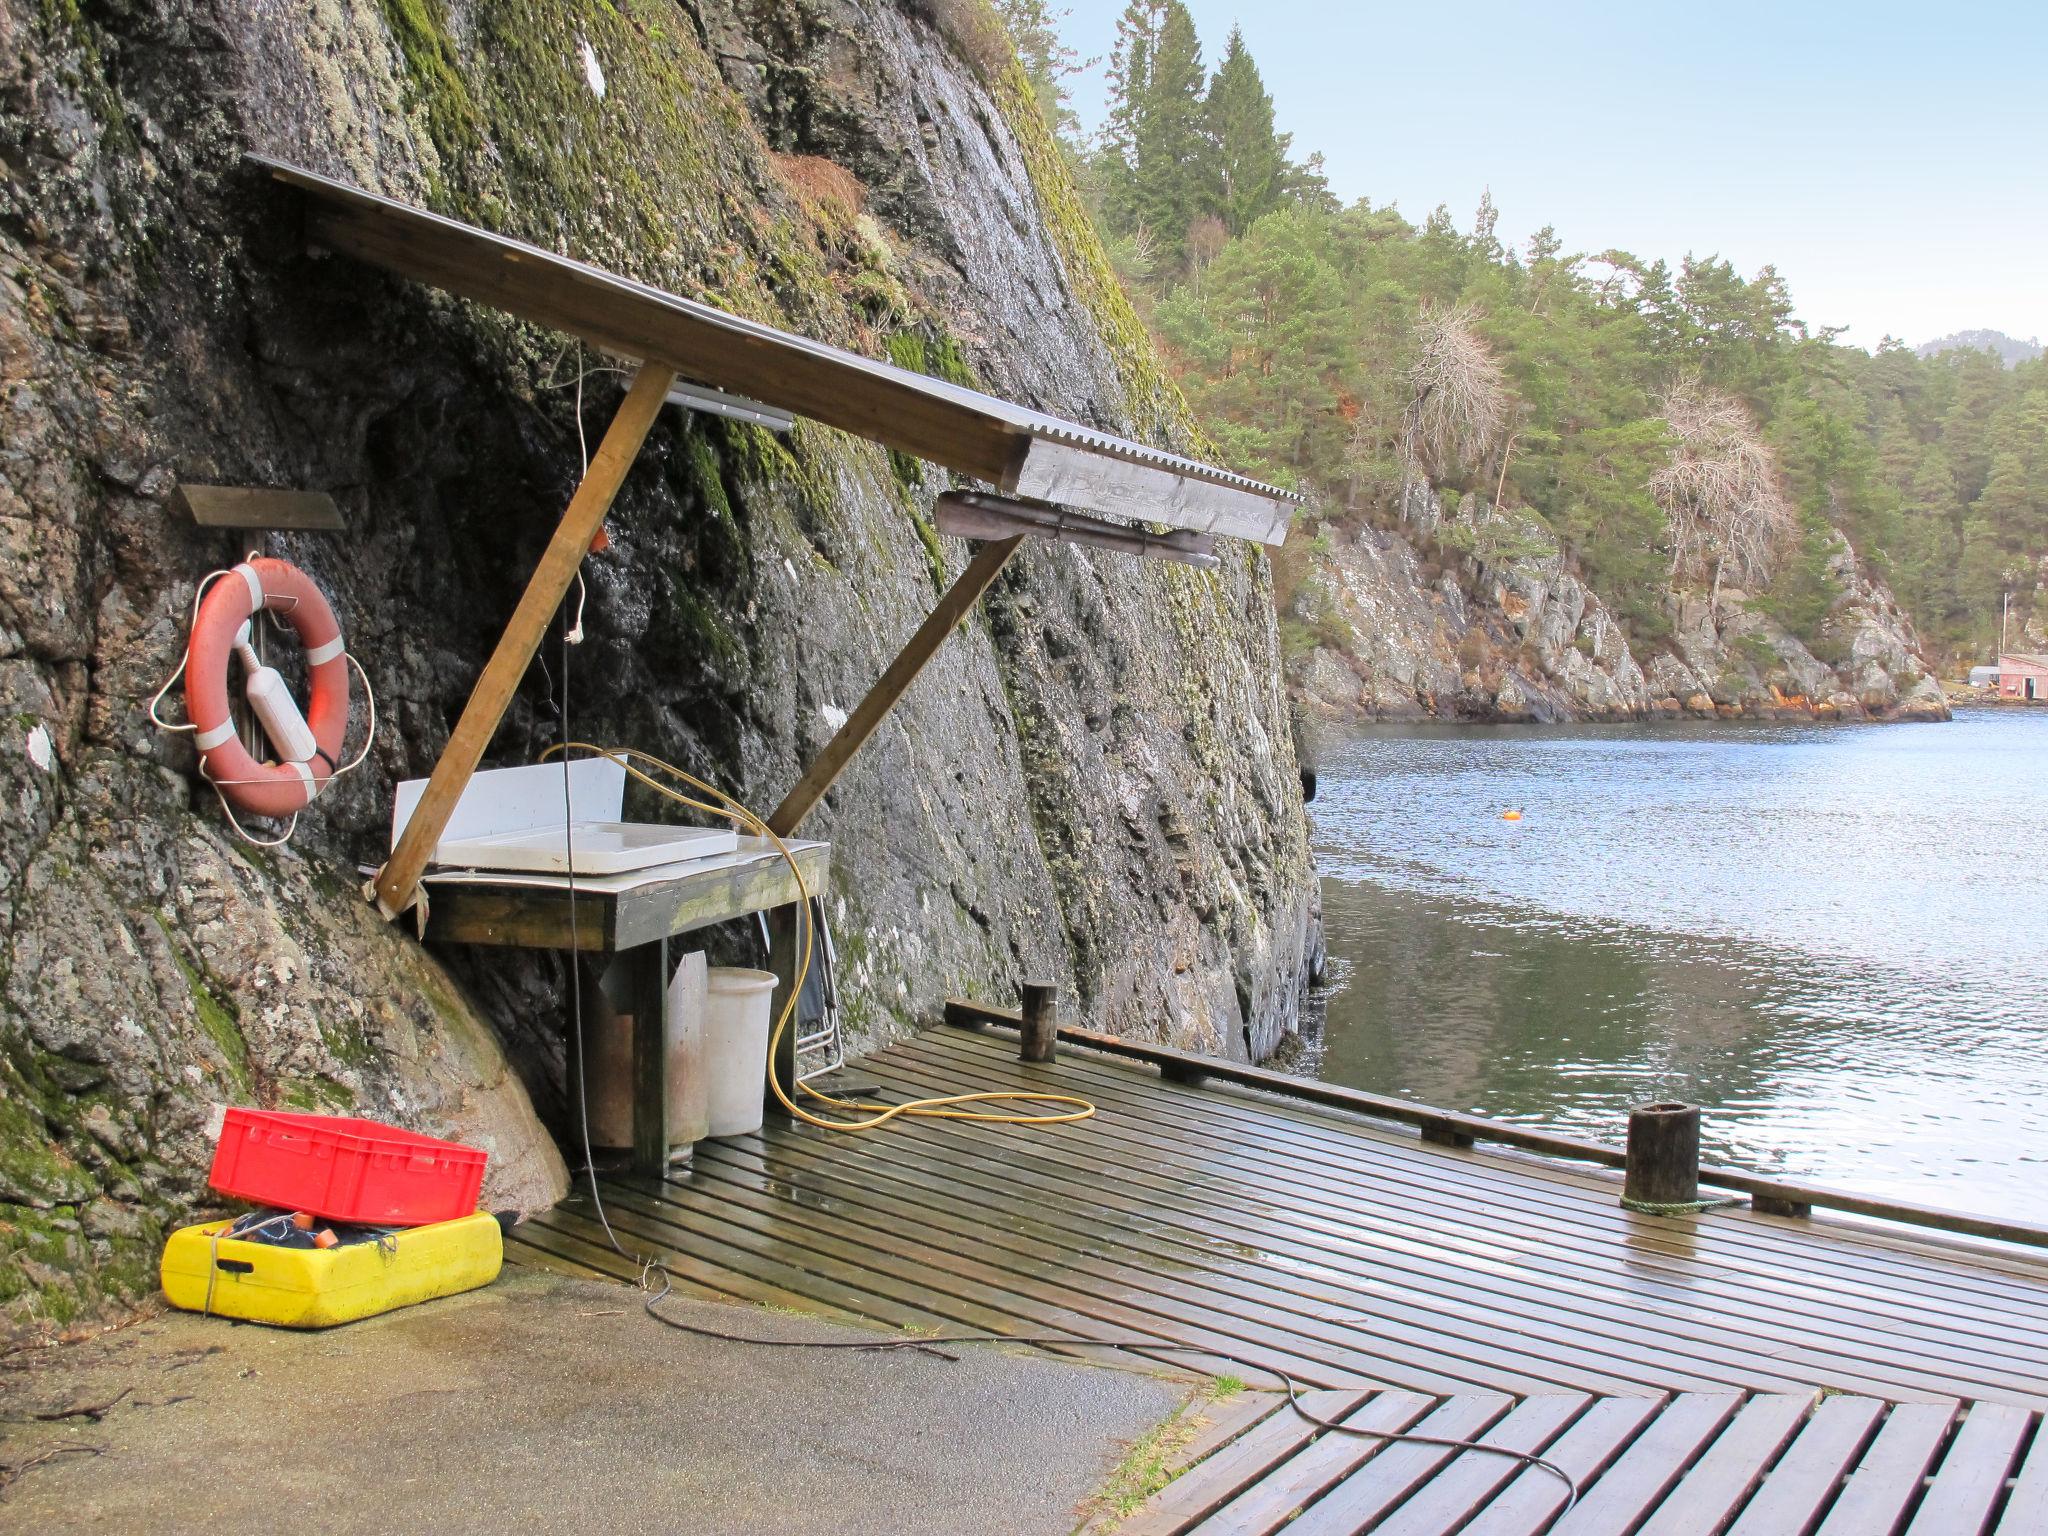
1674, 427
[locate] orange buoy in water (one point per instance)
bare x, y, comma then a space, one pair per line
1510, 815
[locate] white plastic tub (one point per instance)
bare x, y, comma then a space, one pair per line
736, 1047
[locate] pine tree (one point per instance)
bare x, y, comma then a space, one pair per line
1173, 166
1484, 222
1114, 172
1251, 158
1035, 29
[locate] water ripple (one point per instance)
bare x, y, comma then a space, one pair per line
1836, 939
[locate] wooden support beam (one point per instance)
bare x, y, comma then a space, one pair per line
652, 1132
868, 716
1443, 1133
782, 960
398, 881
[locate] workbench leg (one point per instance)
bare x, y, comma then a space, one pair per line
647, 985
784, 954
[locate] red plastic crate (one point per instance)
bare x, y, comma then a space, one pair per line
345, 1169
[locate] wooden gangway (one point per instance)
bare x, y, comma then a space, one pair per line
1248, 1231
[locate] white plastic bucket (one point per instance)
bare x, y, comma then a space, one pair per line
736, 1047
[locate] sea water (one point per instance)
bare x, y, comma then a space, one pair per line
1833, 938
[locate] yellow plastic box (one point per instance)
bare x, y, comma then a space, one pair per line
318, 1288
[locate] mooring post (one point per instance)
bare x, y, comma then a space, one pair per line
1041, 1022
1663, 1171
1186, 1073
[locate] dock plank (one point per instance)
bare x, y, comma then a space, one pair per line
1885, 1483
1971, 1481
2026, 1507
1363, 1499
1733, 1254
1662, 1334
1469, 1481
1236, 1466
1268, 1505
1529, 1503
1638, 1481
1805, 1482
1723, 1478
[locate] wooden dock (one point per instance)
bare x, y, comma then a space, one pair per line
1506, 1293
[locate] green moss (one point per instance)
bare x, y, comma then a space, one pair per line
1146, 1468
938, 355
38, 1252
348, 1044
934, 552
64, 21
420, 28
761, 456
909, 471
318, 1095
129, 1269
934, 354
703, 631
708, 478
52, 1274
216, 1017
30, 1166
1152, 397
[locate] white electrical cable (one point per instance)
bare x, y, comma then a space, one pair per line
183, 657
574, 634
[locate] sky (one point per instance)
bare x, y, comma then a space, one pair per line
1891, 160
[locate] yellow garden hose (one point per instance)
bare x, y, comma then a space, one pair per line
946, 1107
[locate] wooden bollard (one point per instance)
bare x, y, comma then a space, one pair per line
1663, 1171
1041, 1028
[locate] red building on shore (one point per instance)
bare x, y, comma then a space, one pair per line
2022, 676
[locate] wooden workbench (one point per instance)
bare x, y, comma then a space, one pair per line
635, 916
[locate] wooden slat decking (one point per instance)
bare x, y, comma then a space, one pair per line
1259, 1232
1776, 1464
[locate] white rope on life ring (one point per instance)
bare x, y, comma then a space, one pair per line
309, 759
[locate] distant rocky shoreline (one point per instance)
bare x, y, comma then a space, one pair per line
1396, 636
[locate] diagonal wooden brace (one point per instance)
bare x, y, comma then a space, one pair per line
398, 881
869, 714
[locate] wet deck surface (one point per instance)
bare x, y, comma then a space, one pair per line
1346, 1253
1762, 1464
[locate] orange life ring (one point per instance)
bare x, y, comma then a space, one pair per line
265, 789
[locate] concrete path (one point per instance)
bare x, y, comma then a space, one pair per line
550, 1404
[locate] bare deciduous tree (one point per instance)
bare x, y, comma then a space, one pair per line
1720, 492
1458, 397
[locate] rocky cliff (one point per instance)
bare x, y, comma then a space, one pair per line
1095, 780
1468, 613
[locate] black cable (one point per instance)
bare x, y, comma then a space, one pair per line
933, 1345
